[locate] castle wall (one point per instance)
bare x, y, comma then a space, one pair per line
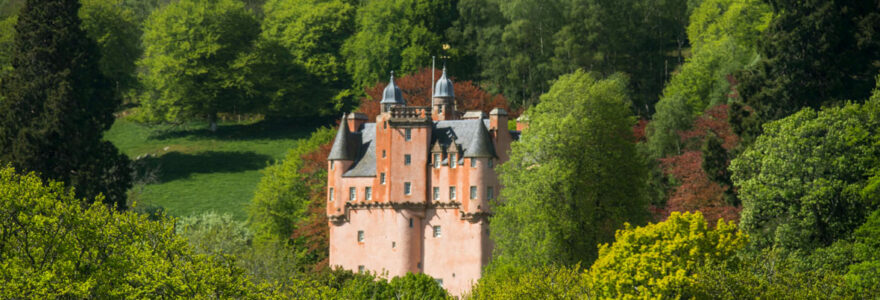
458, 255
390, 247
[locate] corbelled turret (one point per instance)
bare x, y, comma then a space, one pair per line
344, 145
391, 96
443, 101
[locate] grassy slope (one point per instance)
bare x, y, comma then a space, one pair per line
196, 170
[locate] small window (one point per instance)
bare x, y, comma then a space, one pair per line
382, 178
407, 159
360, 236
437, 160
453, 161
436, 193
361, 268
407, 188
383, 153
331, 195
473, 192
408, 133
352, 194
490, 193
410, 222
451, 193
393, 245
437, 232
439, 281
473, 162
368, 193
331, 164
491, 163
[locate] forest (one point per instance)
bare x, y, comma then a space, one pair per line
708, 149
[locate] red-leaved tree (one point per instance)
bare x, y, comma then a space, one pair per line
696, 191
416, 89
313, 231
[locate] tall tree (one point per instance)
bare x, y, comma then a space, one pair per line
396, 35
815, 52
57, 104
116, 30
199, 60
573, 178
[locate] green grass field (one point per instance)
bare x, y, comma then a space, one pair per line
191, 170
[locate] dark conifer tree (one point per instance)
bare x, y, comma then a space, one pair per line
57, 105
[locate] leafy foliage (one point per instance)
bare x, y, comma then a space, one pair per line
573, 178
116, 30
661, 260
801, 181
56, 105
54, 246
548, 282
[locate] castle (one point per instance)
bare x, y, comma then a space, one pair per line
411, 192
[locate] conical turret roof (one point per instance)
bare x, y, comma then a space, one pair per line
443, 88
481, 143
392, 94
344, 145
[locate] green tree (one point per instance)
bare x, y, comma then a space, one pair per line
814, 52
396, 35
7, 43
117, 32
199, 59
313, 32
284, 193
53, 246
661, 260
417, 286
572, 179
551, 282
801, 182
57, 104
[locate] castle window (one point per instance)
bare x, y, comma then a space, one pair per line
331, 195
437, 232
360, 236
407, 188
491, 163
407, 159
473, 192
368, 193
436, 193
453, 161
437, 160
473, 162
410, 222
439, 281
383, 153
361, 268
490, 193
408, 133
393, 245
451, 193
331, 164
352, 194
382, 178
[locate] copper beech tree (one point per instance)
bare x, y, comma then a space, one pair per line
416, 88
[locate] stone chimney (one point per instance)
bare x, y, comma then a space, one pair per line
356, 121
522, 123
498, 119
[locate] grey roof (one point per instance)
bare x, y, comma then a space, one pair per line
481, 143
474, 114
443, 88
344, 145
365, 165
462, 132
392, 94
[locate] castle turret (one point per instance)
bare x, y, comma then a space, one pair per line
392, 96
480, 154
342, 156
443, 99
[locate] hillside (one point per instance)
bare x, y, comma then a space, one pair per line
186, 169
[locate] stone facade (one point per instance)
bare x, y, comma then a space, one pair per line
411, 192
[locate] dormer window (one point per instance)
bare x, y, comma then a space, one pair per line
453, 160
437, 160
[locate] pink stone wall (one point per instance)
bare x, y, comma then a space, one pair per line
458, 255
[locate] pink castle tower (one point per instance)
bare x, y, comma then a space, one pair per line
412, 191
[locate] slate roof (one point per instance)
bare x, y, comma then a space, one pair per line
463, 132
345, 144
392, 94
443, 88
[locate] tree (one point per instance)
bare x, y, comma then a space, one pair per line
416, 89
199, 59
57, 104
117, 32
814, 53
801, 181
417, 286
661, 260
416, 33
572, 179
551, 282
313, 32
53, 246
286, 197
7, 43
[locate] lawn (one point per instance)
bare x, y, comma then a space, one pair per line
186, 169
